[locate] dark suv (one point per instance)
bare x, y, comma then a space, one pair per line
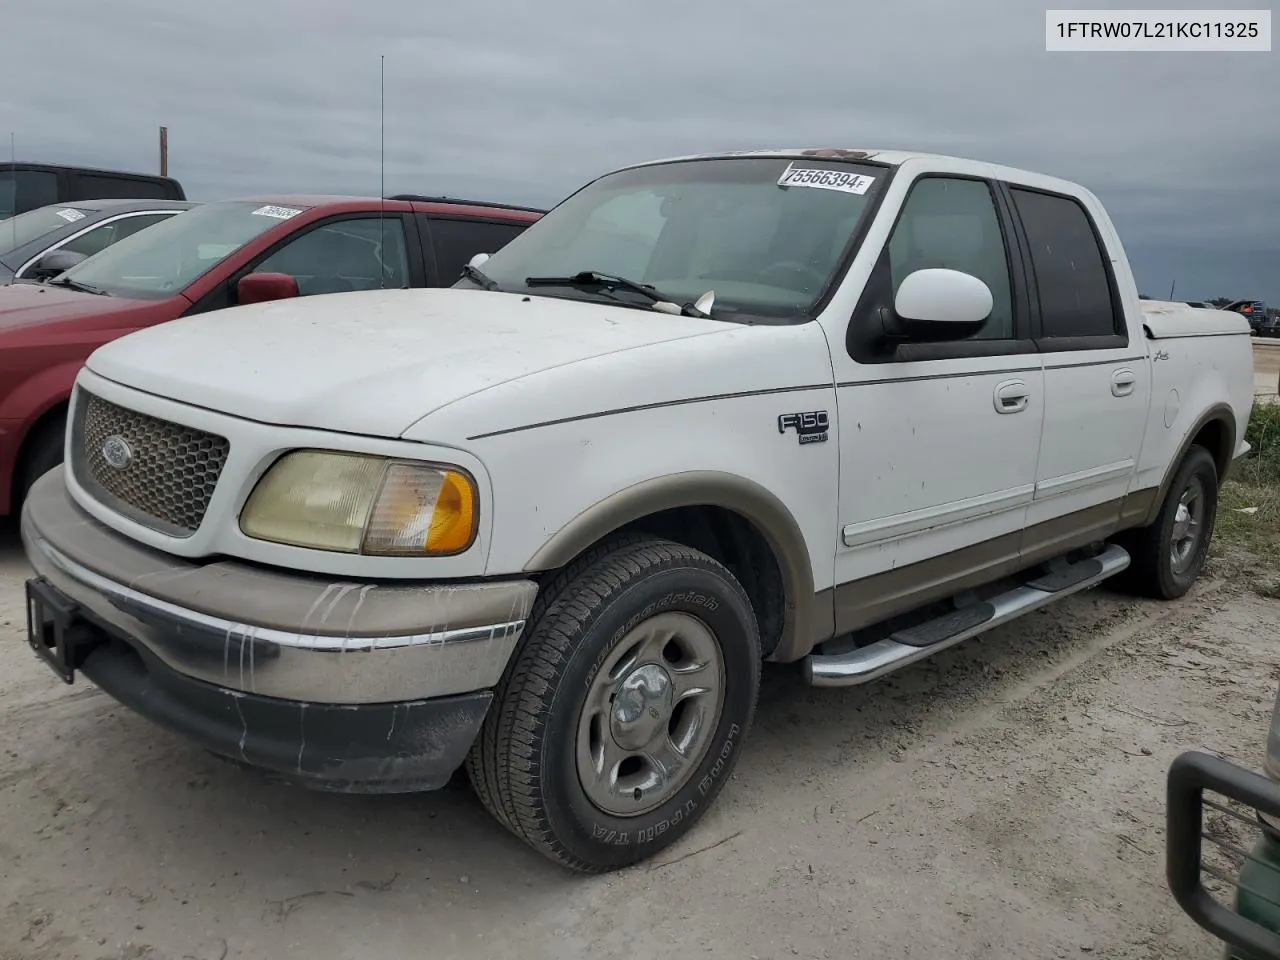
26, 186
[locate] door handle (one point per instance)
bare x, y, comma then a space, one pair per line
1122, 382
1012, 396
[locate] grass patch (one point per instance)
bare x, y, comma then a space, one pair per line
1257, 531
1255, 483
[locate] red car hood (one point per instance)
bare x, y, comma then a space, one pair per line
33, 304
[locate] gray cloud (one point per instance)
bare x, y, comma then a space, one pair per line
524, 102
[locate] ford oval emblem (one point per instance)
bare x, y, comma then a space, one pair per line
115, 450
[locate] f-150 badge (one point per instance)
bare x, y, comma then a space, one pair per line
810, 427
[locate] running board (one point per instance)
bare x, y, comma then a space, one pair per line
885, 656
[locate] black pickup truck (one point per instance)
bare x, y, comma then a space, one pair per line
26, 186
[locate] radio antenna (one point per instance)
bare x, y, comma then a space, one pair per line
382, 173
13, 172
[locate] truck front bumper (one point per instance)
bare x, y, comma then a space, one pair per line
1250, 926
359, 687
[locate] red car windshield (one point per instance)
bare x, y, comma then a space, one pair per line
165, 259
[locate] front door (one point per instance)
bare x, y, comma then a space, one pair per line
938, 442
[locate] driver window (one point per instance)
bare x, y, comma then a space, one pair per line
952, 223
345, 255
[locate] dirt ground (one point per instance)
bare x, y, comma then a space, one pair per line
1003, 800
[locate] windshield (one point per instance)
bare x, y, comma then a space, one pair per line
766, 235
166, 258
20, 230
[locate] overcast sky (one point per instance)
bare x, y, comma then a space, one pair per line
522, 101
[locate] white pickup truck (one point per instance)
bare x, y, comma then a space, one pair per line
834, 408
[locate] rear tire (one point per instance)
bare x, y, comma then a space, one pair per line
41, 453
1167, 557
624, 710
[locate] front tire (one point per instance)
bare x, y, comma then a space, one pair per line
41, 453
1167, 557
624, 710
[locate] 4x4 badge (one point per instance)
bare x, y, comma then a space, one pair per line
810, 427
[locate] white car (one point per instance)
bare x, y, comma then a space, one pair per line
837, 408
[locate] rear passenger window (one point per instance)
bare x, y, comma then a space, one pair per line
96, 187
457, 241
1069, 266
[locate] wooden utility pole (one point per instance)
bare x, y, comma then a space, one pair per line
164, 151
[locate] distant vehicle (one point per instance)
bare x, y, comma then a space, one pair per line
28, 186
214, 256
40, 244
1255, 311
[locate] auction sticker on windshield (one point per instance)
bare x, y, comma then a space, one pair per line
825, 179
71, 216
280, 213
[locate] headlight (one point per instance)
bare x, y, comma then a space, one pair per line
351, 503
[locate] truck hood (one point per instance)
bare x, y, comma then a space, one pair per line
34, 304
374, 362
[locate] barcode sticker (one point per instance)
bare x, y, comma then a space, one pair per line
825, 179
280, 213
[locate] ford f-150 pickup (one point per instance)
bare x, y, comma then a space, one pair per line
835, 408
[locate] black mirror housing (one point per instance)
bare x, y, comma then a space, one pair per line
52, 264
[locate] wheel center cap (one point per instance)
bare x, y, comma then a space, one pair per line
641, 707
1181, 521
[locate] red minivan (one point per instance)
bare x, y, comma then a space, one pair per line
214, 256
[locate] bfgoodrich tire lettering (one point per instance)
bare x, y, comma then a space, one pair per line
525, 763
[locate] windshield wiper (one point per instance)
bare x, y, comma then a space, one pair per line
593, 278
476, 276
62, 281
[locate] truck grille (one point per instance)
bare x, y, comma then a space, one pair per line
155, 472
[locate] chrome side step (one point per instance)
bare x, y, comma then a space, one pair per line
885, 656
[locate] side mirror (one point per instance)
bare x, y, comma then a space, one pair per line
52, 264
478, 260
261, 287
938, 305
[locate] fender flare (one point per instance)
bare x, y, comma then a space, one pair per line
1218, 412
804, 620
26, 406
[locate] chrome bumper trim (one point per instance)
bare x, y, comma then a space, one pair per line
295, 665
129, 597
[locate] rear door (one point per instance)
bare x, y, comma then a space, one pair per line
1097, 383
453, 241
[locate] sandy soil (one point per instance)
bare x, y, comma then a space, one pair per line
1003, 800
